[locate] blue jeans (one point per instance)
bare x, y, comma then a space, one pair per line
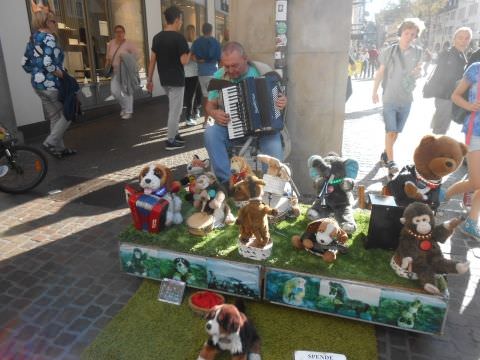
217, 144
395, 116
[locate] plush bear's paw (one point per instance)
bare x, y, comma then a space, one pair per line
432, 289
406, 261
307, 243
329, 256
297, 242
312, 214
348, 227
462, 268
452, 223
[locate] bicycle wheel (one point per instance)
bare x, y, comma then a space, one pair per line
27, 167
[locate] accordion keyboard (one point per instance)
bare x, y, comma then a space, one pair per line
231, 101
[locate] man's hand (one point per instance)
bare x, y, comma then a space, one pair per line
149, 86
281, 102
220, 117
474, 106
375, 98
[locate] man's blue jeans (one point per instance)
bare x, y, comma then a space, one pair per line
217, 144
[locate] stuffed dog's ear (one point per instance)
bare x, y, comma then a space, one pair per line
314, 225
231, 322
143, 173
342, 236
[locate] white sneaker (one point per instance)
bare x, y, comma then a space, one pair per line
127, 116
3, 170
122, 114
190, 122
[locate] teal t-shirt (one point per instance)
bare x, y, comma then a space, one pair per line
220, 74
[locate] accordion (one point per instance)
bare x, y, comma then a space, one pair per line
251, 105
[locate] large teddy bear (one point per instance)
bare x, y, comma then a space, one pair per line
333, 179
434, 158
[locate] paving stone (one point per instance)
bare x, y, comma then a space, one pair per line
51, 331
93, 311
104, 299
64, 339
46, 317
62, 301
55, 290
43, 301
68, 314
114, 309
20, 303
54, 352
27, 333
101, 322
5, 299
34, 292
84, 282
83, 299
80, 325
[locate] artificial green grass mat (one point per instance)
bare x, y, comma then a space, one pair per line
359, 264
148, 329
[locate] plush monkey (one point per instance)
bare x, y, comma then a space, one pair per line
418, 251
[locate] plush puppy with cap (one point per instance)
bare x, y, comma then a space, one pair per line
229, 330
240, 170
156, 180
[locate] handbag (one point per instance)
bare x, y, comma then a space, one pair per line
108, 70
430, 88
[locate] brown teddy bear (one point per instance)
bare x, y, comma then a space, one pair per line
252, 218
324, 238
418, 255
434, 158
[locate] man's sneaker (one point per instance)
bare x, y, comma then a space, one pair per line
384, 158
191, 122
126, 116
173, 145
470, 228
392, 167
3, 170
179, 139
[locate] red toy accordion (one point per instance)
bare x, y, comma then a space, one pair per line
148, 211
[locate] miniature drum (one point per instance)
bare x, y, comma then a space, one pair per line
200, 224
254, 253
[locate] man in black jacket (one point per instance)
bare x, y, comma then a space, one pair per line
450, 67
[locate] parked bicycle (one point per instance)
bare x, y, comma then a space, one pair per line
22, 167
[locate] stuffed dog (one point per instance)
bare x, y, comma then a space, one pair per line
252, 217
156, 180
323, 237
195, 168
240, 170
229, 330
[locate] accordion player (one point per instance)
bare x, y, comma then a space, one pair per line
251, 105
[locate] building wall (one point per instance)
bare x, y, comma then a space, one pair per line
14, 33
318, 41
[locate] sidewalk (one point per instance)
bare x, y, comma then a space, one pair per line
60, 277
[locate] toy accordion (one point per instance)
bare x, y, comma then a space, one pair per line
148, 211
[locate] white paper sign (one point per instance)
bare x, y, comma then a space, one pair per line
281, 10
313, 355
103, 27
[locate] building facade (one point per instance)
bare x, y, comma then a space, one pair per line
457, 13
85, 28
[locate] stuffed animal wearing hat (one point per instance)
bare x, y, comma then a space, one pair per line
240, 170
195, 168
324, 238
333, 179
418, 254
434, 158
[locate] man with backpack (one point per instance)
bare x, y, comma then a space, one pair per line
400, 66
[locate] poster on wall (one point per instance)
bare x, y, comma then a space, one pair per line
280, 55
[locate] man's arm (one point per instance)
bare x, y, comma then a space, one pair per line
185, 58
376, 83
151, 71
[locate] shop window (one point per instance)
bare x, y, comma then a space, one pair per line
194, 13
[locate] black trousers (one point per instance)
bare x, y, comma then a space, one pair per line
192, 99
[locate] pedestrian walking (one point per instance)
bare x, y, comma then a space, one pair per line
471, 127
117, 49
400, 66
364, 59
43, 59
170, 52
193, 94
207, 52
372, 61
450, 67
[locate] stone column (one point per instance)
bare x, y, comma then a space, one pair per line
318, 41
8, 115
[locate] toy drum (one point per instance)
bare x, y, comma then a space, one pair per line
200, 224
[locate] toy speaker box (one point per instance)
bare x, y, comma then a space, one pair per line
148, 211
384, 226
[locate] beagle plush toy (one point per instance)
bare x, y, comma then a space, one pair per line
156, 180
229, 330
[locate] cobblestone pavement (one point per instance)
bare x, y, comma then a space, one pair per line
59, 271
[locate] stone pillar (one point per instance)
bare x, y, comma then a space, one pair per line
8, 115
318, 41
